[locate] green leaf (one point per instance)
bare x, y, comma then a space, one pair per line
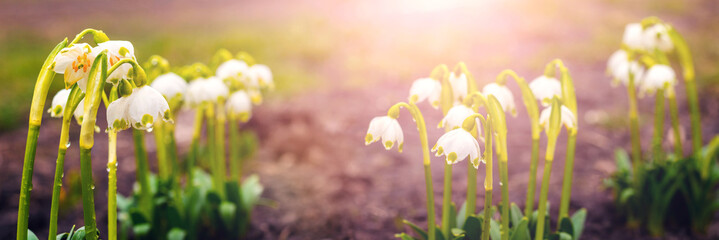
141, 230
457, 232
564, 236
622, 159
625, 195
452, 216
176, 234
62, 236
404, 236
227, 213
416, 229
462, 215
494, 232
565, 226
251, 191
515, 214
578, 220
31, 235
473, 228
79, 234
521, 230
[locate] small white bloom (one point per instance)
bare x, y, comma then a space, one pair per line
240, 104
264, 75
206, 90
459, 85
633, 36
457, 145
146, 106
232, 68
568, 118
503, 95
657, 37
657, 76
623, 69
116, 51
74, 62
544, 88
386, 128
58, 103
455, 117
170, 85
426, 88
117, 116
617, 58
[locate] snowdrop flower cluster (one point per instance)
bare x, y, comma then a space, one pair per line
238, 75
75, 61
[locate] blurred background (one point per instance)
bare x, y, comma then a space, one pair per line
337, 64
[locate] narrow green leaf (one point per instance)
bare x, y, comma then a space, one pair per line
515, 214
521, 230
404, 236
622, 159
578, 220
452, 216
462, 215
494, 232
416, 229
31, 235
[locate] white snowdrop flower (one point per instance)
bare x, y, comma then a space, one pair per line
388, 130
232, 68
544, 88
264, 75
455, 117
616, 59
203, 90
58, 103
170, 85
426, 89
623, 69
657, 37
145, 107
74, 62
217, 89
633, 36
459, 85
116, 51
568, 118
117, 116
503, 95
657, 76
457, 145
239, 104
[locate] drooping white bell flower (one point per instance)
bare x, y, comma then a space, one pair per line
544, 88
622, 71
503, 95
117, 116
388, 130
567, 118
147, 106
426, 89
116, 51
633, 36
203, 90
58, 103
617, 58
170, 85
232, 68
457, 145
657, 76
240, 105
264, 75
657, 37
455, 117
459, 85
74, 62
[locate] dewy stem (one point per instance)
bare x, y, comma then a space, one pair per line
143, 173
658, 125
422, 129
59, 172
674, 116
634, 126
553, 130
112, 185
42, 84
568, 174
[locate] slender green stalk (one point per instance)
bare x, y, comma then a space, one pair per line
674, 116
553, 129
112, 185
42, 84
471, 189
143, 173
504, 179
568, 174
658, 126
220, 135
88, 189
687, 63
531, 187
217, 175
171, 150
634, 126
422, 129
447, 201
59, 171
235, 161
544, 191
158, 129
488, 181
194, 148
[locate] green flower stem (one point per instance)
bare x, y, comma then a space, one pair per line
171, 148
634, 126
687, 63
554, 129
658, 125
471, 189
42, 84
674, 116
422, 129
504, 179
488, 182
220, 135
441, 73
160, 146
544, 191
112, 185
98, 36
447, 201
532, 186
87, 131
143, 173
568, 174
235, 161
194, 148
217, 176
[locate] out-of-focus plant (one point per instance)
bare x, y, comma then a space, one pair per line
456, 93
654, 188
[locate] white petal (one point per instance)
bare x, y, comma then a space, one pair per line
657, 37
426, 89
117, 50
459, 142
146, 107
459, 85
377, 127
231, 68
545, 88
169, 85
503, 95
58, 103
633, 36
456, 116
393, 135
264, 75
240, 104
656, 77
117, 116
623, 69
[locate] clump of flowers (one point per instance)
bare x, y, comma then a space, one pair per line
657, 186
455, 92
